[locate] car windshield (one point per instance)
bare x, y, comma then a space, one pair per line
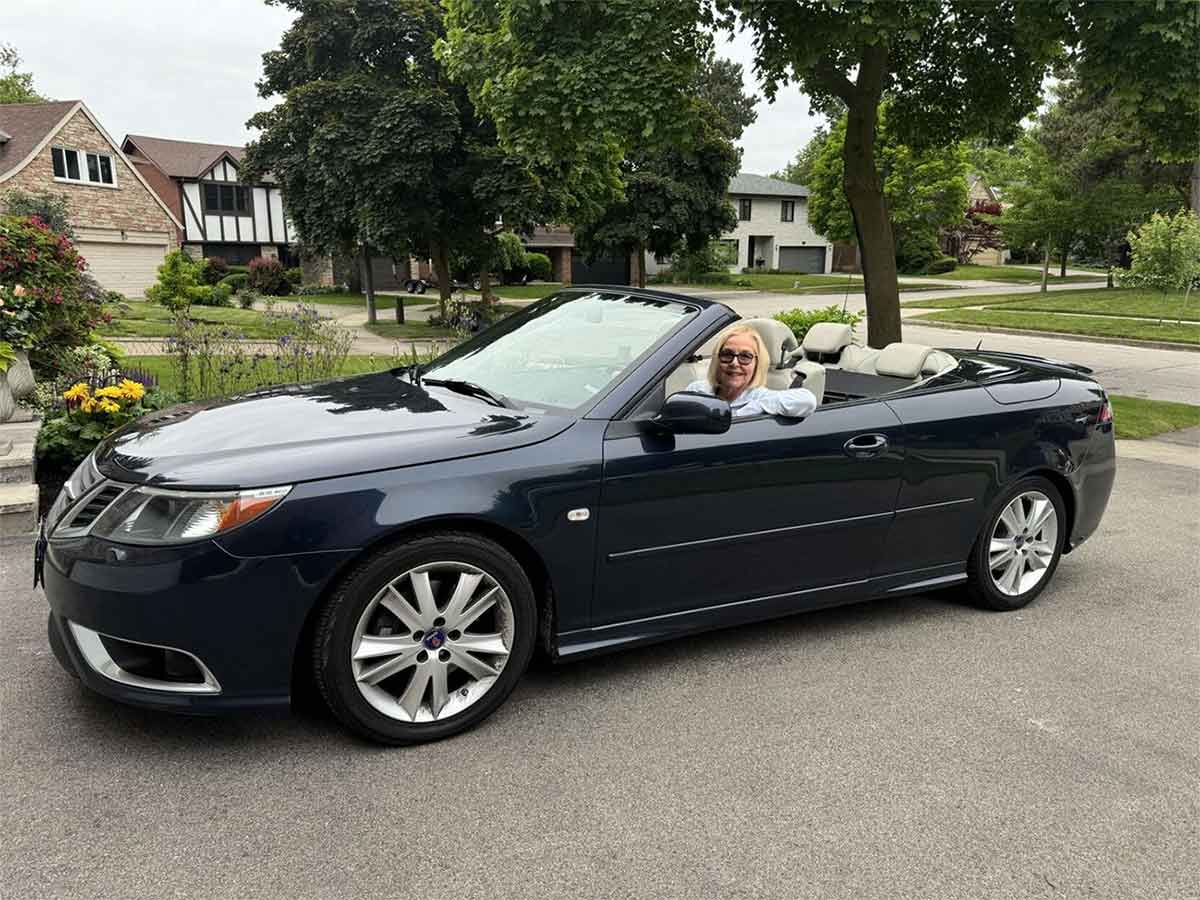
564, 350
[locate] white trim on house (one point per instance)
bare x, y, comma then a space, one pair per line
81, 166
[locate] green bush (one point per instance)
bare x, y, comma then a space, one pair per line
915, 251
235, 281
800, 320
267, 277
316, 290
247, 298
238, 270
940, 266
50, 303
539, 266
179, 284
294, 276
215, 295
212, 269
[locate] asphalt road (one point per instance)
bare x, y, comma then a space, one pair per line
910, 748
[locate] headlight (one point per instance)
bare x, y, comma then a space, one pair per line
146, 515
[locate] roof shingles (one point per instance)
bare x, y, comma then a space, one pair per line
762, 186
182, 159
27, 125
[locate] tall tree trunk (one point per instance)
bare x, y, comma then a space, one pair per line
877, 244
400, 297
1196, 187
368, 283
1062, 271
1046, 264
441, 268
485, 285
637, 265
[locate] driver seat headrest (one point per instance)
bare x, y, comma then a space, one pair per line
778, 337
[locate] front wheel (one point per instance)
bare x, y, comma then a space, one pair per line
1018, 550
426, 639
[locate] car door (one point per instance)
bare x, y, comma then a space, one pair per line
773, 507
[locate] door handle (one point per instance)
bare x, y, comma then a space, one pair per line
864, 446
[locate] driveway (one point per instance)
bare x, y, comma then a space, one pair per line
910, 748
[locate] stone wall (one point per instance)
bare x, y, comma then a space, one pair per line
126, 206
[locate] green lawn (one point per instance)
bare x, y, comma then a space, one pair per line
164, 369
1092, 326
533, 291
141, 319
381, 301
407, 331
1102, 302
1011, 274
801, 284
1137, 418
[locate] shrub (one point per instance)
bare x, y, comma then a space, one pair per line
469, 316
235, 281
316, 290
294, 276
238, 270
179, 284
52, 209
267, 277
800, 320
215, 295
212, 269
540, 268
915, 250
246, 298
48, 302
939, 266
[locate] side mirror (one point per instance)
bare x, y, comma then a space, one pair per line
688, 413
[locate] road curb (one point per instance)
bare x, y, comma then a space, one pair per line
1082, 338
1157, 451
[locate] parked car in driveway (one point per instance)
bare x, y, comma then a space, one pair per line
407, 539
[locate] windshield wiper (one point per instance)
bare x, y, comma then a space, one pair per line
471, 389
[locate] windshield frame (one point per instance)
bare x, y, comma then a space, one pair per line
558, 298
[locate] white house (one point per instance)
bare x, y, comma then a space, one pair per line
772, 231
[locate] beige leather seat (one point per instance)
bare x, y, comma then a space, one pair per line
824, 342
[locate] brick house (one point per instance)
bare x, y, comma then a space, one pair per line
221, 214
122, 228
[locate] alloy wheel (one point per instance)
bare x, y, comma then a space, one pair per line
1023, 543
432, 642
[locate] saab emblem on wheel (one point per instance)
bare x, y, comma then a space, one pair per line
435, 639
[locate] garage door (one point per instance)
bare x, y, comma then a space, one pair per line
802, 259
128, 268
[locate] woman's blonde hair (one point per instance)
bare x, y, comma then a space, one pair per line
761, 365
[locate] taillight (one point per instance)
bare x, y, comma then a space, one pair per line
1105, 413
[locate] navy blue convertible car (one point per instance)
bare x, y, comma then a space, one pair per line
407, 539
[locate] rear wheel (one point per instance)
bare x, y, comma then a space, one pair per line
426, 639
1019, 548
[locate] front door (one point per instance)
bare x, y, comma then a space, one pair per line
773, 507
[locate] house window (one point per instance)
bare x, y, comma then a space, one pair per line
744, 210
787, 211
86, 168
226, 199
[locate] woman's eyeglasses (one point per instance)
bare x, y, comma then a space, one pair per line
745, 357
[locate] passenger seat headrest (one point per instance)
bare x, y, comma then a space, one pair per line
827, 337
777, 336
902, 360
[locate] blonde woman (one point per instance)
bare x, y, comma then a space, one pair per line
738, 374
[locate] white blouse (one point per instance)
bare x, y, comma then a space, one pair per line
795, 403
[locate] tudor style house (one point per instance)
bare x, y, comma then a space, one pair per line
221, 214
122, 227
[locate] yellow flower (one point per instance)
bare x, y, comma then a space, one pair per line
132, 390
77, 392
88, 405
107, 406
114, 393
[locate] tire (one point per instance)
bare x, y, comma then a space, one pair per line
476, 284
420, 287
410, 286
1015, 556
413, 677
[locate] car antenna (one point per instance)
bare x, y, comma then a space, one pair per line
414, 371
980, 344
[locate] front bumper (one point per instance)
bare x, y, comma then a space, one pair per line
238, 619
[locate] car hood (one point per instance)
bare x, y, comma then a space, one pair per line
299, 433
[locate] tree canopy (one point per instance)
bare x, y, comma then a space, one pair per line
15, 86
800, 169
925, 190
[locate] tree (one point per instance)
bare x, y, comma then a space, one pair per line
364, 123
1045, 203
15, 87
1166, 255
1146, 55
677, 196
925, 190
578, 87
800, 169
952, 68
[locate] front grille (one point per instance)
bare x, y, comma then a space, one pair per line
84, 514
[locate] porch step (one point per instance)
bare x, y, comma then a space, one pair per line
18, 510
16, 466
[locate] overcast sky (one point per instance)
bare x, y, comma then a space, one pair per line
186, 69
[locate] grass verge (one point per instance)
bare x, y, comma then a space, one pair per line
1103, 302
1090, 326
360, 300
407, 330
141, 319
1137, 418
1009, 274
